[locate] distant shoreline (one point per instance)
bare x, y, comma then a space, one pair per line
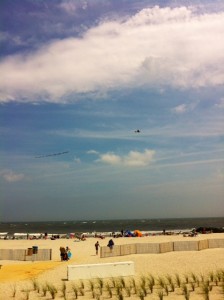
102, 235
109, 226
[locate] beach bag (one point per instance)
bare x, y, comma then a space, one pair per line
69, 254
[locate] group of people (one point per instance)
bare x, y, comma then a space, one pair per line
65, 253
110, 245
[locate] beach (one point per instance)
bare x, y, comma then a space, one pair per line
20, 274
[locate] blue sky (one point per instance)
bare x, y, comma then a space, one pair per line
81, 77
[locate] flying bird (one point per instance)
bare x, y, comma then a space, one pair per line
137, 131
52, 154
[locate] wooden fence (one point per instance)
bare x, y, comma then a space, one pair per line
141, 248
25, 254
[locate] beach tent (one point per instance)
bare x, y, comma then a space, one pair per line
20, 235
137, 233
128, 233
56, 235
3, 235
35, 235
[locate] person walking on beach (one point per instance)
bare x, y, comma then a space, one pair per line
111, 244
97, 245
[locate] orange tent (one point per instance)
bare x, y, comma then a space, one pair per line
137, 233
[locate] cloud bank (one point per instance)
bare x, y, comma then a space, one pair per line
132, 159
156, 47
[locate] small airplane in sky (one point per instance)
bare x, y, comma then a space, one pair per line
137, 131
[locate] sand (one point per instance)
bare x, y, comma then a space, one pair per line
20, 274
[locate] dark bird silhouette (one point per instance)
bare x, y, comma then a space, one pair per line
137, 131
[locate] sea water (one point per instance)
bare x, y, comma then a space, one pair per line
79, 226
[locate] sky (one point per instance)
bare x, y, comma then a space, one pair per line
79, 78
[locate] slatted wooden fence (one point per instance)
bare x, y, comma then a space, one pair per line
25, 254
141, 248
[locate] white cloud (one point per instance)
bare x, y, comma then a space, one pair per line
183, 108
220, 104
132, 159
11, 176
180, 109
77, 160
92, 152
69, 6
110, 158
157, 47
219, 174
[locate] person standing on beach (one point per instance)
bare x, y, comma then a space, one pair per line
111, 244
97, 245
62, 253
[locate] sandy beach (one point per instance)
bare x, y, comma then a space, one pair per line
19, 275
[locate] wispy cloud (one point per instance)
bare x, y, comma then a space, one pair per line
11, 176
183, 108
68, 6
204, 127
77, 160
171, 47
220, 103
200, 154
195, 162
92, 152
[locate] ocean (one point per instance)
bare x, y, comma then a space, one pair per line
61, 227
